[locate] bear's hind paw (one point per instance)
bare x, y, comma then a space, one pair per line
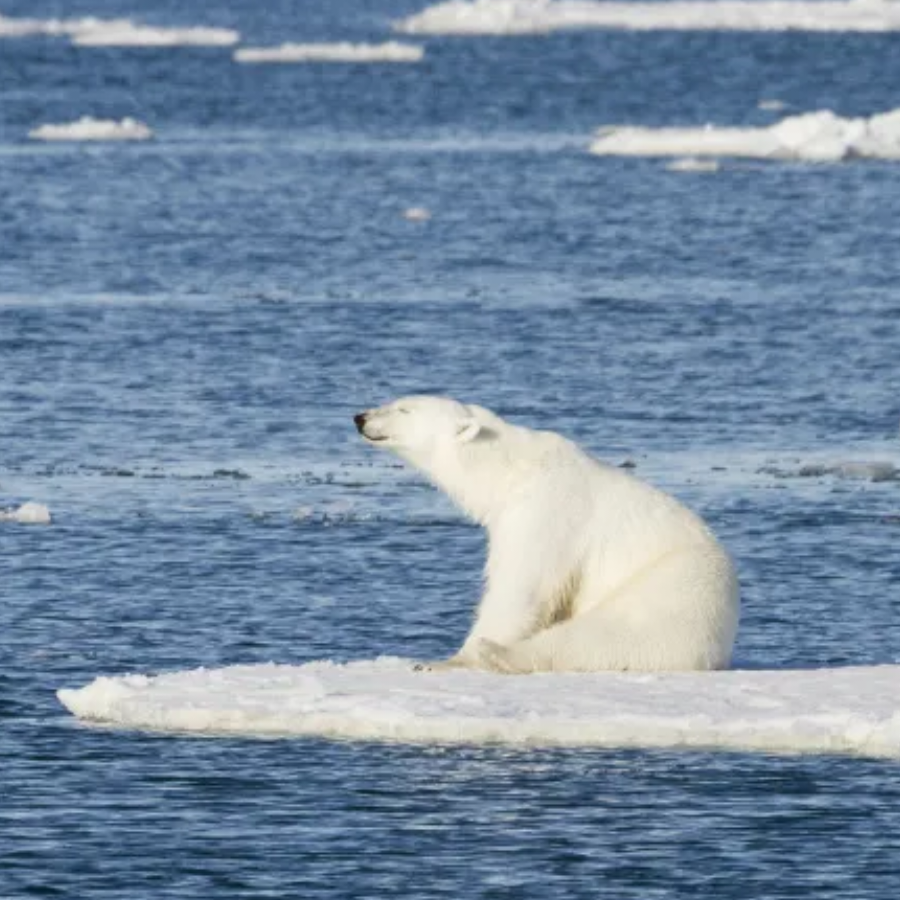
438, 665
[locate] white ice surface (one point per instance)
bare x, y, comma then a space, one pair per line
27, 514
840, 709
392, 51
537, 16
88, 128
815, 137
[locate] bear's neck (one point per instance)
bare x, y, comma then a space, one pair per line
473, 487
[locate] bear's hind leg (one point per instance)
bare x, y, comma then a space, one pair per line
680, 613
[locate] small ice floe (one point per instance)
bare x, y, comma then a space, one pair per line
392, 51
27, 514
88, 128
540, 16
94, 32
693, 164
417, 214
124, 33
812, 137
771, 105
17, 28
10, 27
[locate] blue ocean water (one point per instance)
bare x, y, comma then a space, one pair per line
187, 326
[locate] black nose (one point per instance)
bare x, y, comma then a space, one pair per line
360, 420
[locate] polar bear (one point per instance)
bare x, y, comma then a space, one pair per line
588, 568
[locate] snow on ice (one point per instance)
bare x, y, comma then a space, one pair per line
826, 710
537, 16
813, 137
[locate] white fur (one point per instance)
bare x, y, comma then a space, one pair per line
588, 568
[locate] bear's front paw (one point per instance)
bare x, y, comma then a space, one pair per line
494, 657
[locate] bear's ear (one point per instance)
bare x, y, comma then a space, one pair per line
467, 430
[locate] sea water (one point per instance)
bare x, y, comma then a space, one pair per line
189, 322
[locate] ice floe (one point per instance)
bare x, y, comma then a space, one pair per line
88, 128
96, 32
392, 51
827, 710
19, 27
129, 34
815, 137
27, 514
537, 16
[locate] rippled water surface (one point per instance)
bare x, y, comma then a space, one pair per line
187, 326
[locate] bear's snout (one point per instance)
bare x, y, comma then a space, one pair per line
360, 421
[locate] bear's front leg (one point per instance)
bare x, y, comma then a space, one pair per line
512, 607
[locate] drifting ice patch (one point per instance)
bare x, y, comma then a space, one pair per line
11, 28
117, 32
847, 710
813, 137
27, 514
88, 128
540, 16
127, 34
392, 51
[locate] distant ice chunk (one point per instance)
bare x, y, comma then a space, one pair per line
88, 128
771, 105
840, 709
344, 52
539, 16
96, 32
814, 137
16, 28
417, 214
27, 514
128, 34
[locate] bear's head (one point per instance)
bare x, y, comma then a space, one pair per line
419, 428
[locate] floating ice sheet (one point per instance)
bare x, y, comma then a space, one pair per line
848, 710
815, 137
27, 514
89, 129
17, 27
392, 51
537, 16
117, 32
128, 34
